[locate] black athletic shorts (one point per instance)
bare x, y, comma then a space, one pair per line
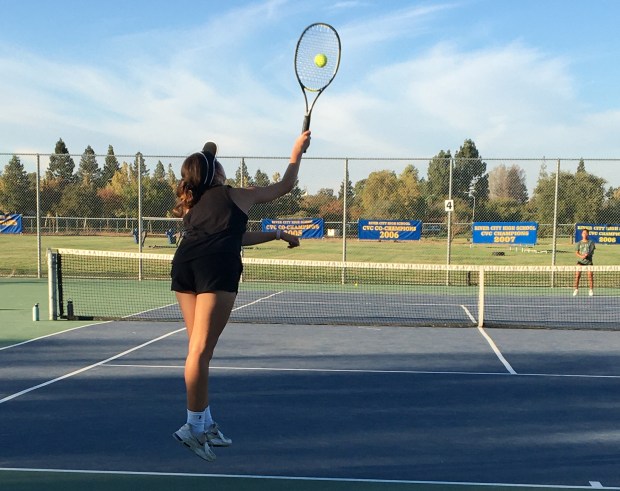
209, 273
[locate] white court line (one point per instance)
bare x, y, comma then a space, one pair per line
497, 351
298, 478
494, 347
256, 301
359, 370
52, 334
84, 369
148, 310
100, 363
471, 317
318, 302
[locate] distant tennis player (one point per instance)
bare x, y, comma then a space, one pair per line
206, 270
584, 249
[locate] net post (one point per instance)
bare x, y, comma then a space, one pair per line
481, 297
51, 285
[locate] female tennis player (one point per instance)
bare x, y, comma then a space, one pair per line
206, 270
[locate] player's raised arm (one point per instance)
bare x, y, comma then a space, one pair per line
246, 197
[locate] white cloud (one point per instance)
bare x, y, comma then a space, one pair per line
232, 81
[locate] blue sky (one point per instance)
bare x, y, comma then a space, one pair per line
526, 78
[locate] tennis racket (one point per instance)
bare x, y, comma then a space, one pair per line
317, 58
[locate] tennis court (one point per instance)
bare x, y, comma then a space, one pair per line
316, 406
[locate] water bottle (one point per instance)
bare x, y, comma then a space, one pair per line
35, 312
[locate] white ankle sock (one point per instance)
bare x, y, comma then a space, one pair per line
196, 421
208, 420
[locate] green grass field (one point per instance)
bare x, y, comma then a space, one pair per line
19, 252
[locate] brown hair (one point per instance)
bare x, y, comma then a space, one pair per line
190, 187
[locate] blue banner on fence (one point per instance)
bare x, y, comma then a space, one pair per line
389, 229
10, 224
306, 228
505, 233
600, 233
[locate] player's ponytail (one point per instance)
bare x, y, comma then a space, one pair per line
190, 187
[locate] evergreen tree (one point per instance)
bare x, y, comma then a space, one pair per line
110, 167
15, 186
350, 192
261, 179
139, 162
581, 166
469, 169
61, 164
588, 193
88, 170
160, 173
438, 179
171, 177
242, 176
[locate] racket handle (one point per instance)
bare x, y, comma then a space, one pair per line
306, 125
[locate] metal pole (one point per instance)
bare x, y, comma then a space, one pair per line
473, 212
449, 245
555, 220
241, 185
555, 212
38, 192
139, 169
52, 285
345, 192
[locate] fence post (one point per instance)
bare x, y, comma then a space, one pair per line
345, 191
139, 170
449, 218
555, 221
555, 213
38, 197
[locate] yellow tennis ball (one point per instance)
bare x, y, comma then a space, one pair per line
320, 60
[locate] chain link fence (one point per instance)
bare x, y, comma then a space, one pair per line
124, 202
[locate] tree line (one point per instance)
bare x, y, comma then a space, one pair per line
500, 194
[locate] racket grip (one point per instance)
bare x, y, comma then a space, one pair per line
306, 125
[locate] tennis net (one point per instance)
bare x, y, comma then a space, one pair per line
129, 286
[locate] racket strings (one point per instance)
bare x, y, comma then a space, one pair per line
317, 40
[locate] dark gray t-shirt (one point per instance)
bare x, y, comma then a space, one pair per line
585, 247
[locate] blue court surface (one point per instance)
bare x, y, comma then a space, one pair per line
315, 407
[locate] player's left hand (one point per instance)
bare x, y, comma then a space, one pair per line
293, 240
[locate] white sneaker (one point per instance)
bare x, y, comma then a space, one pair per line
199, 445
575, 293
591, 293
216, 438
